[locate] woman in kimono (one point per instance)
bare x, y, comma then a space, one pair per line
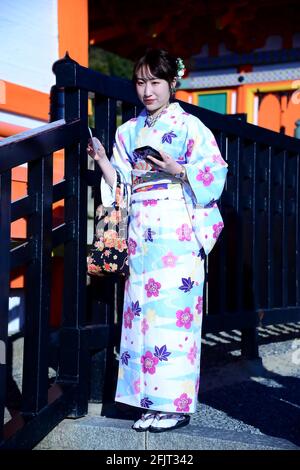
174, 222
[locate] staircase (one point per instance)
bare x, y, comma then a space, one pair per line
244, 405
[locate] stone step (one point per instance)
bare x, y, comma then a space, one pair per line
101, 433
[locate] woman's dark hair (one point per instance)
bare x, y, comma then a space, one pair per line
159, 62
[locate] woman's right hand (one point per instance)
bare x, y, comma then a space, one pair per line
95, 149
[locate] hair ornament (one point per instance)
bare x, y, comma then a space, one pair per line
180, 67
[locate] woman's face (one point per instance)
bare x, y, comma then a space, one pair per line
153, 92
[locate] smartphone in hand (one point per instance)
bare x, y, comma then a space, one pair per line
93, 142
147, 150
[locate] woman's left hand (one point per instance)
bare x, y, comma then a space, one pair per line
168, 164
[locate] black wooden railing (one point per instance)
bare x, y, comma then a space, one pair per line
253, 273
42, 406
254, 270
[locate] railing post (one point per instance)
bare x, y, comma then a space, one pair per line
36, 339
249, 343
74, 355
5, 208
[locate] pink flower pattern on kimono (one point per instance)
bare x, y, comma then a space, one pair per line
184, 318
184, 232
199, 305
150, 202
169, 261
131, 246
218, 159
137, 385
149, 362
121, 139
189, 149
217, 228
193, 353
205, 176
152, 288
128, 317
183, 403
144, 326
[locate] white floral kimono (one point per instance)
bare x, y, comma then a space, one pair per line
172, 225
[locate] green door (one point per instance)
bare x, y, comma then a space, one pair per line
215, 102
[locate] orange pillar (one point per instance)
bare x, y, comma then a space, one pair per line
241, 100
73, 29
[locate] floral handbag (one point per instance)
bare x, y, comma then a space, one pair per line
109, 252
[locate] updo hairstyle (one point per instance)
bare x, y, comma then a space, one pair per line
160, 63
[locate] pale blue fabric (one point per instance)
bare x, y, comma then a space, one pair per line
169, 229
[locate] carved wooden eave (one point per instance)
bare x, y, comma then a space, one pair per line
184, 26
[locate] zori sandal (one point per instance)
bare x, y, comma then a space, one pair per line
167, 422
144, 422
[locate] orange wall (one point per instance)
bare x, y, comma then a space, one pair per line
73, 37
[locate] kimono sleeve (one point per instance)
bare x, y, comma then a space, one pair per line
120, 162
206, 170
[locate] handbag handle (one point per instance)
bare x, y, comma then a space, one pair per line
125, 189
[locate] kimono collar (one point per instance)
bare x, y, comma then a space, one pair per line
172, 108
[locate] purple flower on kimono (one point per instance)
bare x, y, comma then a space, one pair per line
152, 288
128, 317
193, 353
184, 232
189, 149
217, 228
167, 137
205, 176
187, 284
145, 402
162, 353
148, 235
136, 309
199, 305
124, 358
131, 246
184, 318
183, 403
149, 362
